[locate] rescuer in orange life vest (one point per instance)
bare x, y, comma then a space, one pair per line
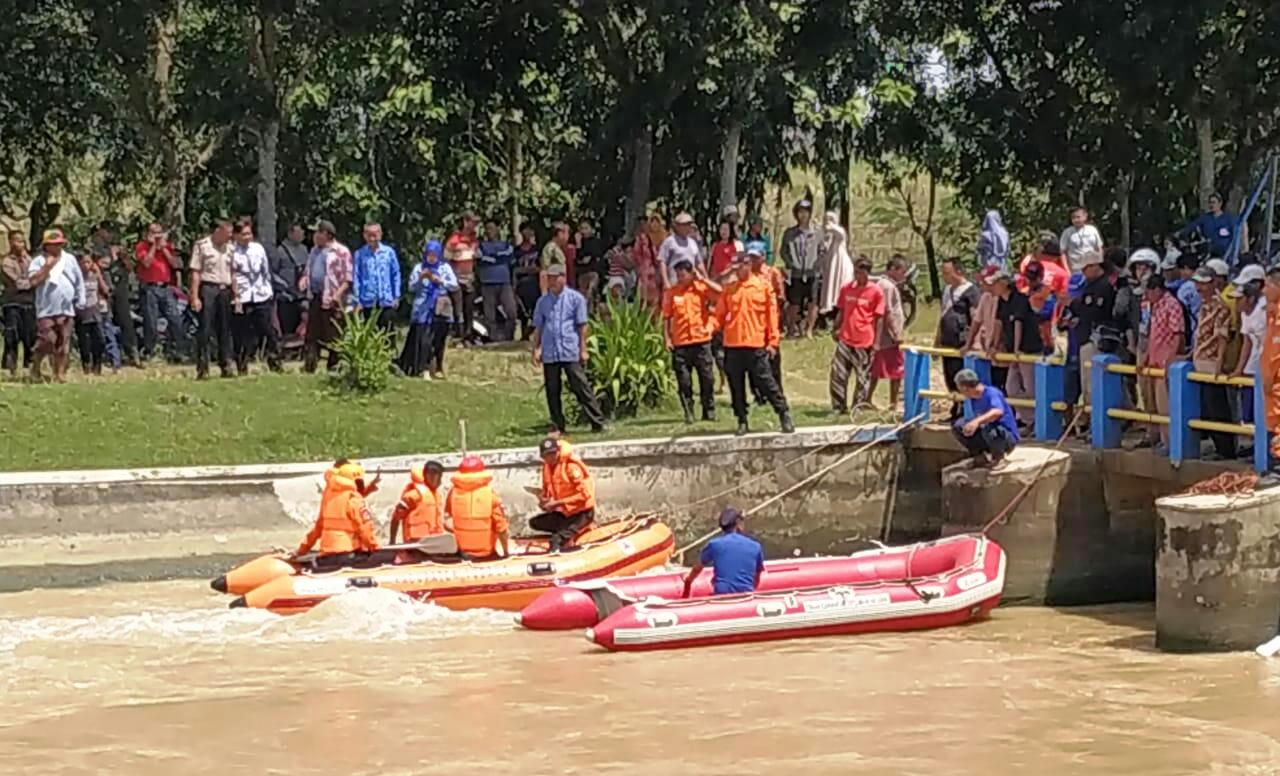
568, 499
345, 525
474, 514
419, 509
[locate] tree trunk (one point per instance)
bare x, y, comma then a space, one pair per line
1124, 198
641, 174
729, 153
42, 214
846, 196
175, 200
1204, 142
931, 259
515, 174
268, 151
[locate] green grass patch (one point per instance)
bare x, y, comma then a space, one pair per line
162, 417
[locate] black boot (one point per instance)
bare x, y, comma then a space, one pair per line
787, 426
709, 415
688, 416
742, 428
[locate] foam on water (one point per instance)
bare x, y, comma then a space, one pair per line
359, 615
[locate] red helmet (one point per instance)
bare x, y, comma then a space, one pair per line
470, 465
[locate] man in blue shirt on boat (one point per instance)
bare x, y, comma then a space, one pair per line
992, 433
736, 559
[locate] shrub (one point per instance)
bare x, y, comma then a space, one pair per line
630, 367
364, 355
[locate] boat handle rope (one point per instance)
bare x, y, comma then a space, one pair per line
882, 437
1003, 516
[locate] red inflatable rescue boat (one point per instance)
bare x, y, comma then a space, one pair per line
922, 586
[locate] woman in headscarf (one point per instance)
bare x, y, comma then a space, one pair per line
837, 264
993, 242
431, 284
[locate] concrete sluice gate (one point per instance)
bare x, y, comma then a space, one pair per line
1087, 532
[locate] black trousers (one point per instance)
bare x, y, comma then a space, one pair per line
992, 438
253, 327
688, 359
289, 315
19, 331
439, 343
464, 309
562, 527
215, 323
743, 364
1216, 405
552, 375
950, 368
322, 327
122, 317
90, 344
775, 367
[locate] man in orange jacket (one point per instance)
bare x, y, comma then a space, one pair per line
419, 507
687, 330
1269, 375
474, 514
344, 527
568, 499
747, 314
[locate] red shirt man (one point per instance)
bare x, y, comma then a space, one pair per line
860, 308
861, 305
156, 257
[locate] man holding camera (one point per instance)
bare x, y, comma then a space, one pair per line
156, 262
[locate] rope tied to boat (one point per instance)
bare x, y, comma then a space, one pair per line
883, 437
1002, 517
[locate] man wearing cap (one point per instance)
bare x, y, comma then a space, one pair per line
156, 264
1209, 354
1092, 311
687, 327
736, 560
560, 347
18, 301
568, 495
680, 245
800, 249
213, 294
328, 278
1246, 291
376, 280
858, 315
992, 433
56, 277
747, 315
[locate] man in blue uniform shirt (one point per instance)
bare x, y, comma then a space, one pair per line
737, 560
992, 432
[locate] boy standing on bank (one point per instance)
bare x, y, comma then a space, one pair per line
992, 433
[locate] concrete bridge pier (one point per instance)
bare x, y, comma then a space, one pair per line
1030, 535
1218, 572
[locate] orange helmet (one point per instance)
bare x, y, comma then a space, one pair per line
470, 465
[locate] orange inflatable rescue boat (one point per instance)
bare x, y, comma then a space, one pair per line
288, 586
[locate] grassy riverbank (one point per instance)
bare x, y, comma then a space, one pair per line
161, 417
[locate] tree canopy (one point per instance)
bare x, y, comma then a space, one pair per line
411, 111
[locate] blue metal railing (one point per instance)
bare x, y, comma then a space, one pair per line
1108, 413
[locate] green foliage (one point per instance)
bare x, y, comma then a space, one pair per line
364, 355
630, 367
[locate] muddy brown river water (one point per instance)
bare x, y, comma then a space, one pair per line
161, 679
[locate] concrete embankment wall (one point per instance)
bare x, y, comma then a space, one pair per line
76, 528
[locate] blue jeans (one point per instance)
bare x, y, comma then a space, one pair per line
157, 301
992, 438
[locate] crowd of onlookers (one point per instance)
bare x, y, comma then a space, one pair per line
1074, 297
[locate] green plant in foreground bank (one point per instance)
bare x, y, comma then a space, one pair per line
629, 368
364, 355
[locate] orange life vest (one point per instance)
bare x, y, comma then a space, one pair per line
423, 519
569, 481
477, 514
344, 524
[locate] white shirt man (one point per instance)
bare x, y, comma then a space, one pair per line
253, 274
